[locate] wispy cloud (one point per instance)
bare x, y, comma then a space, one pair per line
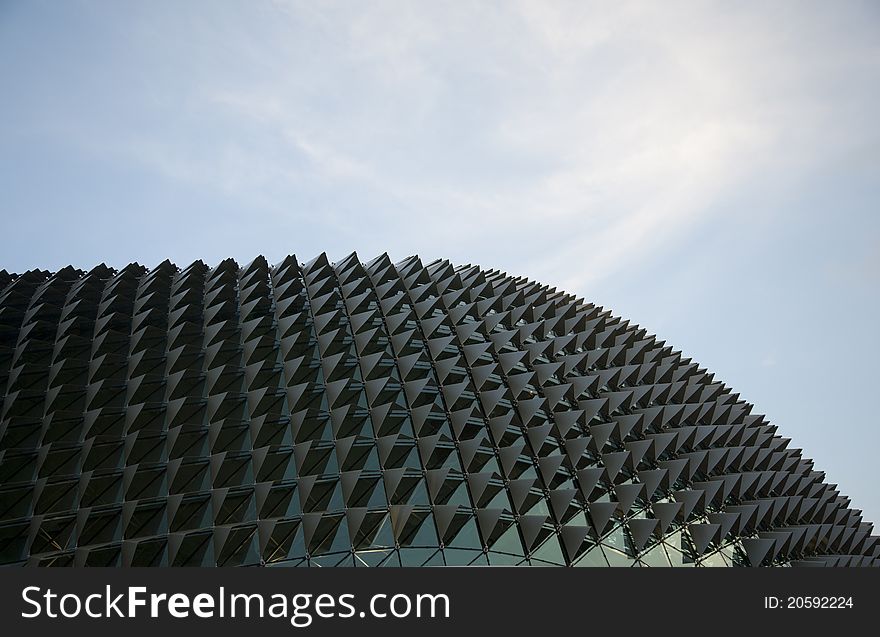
610, 131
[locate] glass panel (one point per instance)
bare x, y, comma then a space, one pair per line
593, 557
655, 556
617, 558
550, 551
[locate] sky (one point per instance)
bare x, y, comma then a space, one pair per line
708, 170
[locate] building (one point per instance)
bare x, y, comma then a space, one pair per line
379, 414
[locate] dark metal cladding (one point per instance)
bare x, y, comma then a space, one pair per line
379, 414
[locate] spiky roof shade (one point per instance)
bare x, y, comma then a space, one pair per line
379, 414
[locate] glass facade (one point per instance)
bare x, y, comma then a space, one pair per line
379, 414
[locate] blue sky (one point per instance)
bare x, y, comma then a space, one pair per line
709, 170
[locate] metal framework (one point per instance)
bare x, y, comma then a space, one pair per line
379, 414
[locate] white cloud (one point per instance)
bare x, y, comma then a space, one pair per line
608, 130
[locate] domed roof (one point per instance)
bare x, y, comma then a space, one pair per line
379, 414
